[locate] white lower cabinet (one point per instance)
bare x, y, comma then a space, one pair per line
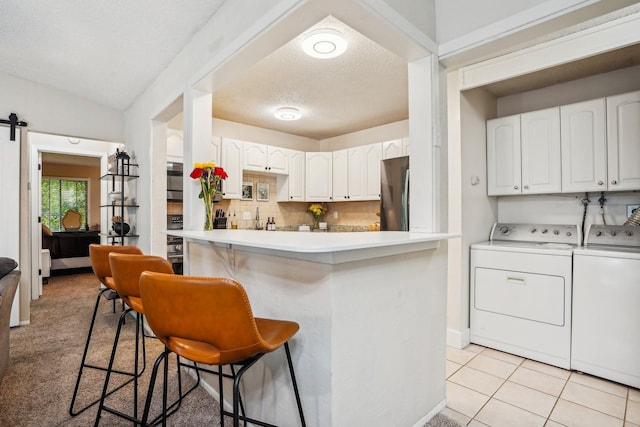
623, 141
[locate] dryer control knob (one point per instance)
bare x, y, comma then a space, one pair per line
629, 233
544, 230
613, 233
504, 230
556, 232
568, 234
533, 230
598, 233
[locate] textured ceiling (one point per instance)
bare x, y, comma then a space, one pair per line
106, 51
363, 88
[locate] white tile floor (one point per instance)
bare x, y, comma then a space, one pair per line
486, 387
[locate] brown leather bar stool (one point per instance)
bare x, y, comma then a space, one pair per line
126, 270
99, 255
209, 321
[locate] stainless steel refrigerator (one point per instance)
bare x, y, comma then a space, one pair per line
394, 194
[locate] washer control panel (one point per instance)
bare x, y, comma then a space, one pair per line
536, 233
613, 235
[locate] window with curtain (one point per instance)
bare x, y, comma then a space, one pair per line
61, 194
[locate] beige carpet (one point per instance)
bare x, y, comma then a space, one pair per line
45, 355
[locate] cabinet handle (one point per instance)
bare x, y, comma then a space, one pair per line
515, 187
614, 182
526, 187
516, 280
600, 183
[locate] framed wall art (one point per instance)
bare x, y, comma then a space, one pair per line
247, 191
262, 194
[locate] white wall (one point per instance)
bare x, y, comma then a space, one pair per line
567, 208
208, 49
598, 86
471, 211
244, 132
467, 112
53, 111
367, 136
452, 23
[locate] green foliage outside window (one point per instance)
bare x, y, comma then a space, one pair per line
60, 195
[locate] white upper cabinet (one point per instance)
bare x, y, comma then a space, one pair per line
319, 176
540, 151
503, 156
584, 146
340, 171
290, 188
175, 146
265, 158
216, 143
373, 157
231, 160
523, 153
356, 173
395, 148
623, 141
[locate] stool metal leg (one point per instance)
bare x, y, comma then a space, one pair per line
295, 384
72, 411
109, 369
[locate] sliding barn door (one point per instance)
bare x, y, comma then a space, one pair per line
10, 210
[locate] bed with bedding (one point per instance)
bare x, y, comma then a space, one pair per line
69, 249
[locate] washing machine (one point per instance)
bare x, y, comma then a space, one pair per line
606, 304
521, 284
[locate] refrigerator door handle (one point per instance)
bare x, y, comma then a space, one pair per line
405, 204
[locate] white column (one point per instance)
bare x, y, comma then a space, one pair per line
197, 148
423, 215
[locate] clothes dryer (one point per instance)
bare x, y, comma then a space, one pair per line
521, 284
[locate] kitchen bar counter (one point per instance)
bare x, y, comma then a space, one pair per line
372, 313
323, 247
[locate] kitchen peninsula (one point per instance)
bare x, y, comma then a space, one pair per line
371, 308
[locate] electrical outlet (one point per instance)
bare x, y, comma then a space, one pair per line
335, 215
631, 209
246, 215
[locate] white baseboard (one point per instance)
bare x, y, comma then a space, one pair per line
439, 407
458, 339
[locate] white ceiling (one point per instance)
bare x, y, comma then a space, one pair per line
106, 51
364, 87
110, 52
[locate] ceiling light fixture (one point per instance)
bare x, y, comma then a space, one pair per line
324, 43
287, 113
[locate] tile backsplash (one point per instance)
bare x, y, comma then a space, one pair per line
292, 214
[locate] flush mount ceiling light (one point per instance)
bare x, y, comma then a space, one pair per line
287, 113
324, 43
